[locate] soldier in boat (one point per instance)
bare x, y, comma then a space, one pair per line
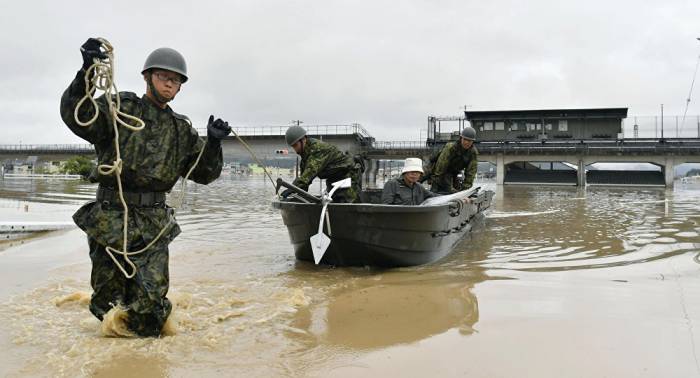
456, 156
325, 161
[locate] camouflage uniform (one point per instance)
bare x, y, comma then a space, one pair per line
452, 159
154, 158
325, 161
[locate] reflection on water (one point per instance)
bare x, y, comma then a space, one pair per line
389, 309
540, 229
244, 306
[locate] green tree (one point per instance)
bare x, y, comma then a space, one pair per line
79, 165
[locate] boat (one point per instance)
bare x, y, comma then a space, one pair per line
373, 234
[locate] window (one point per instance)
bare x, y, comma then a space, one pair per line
488, 126
534, 126
548, 126
500, 125
563, 125
514, 126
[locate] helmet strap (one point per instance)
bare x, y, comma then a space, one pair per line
303, 143
158, 97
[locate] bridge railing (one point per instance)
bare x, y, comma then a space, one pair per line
397, 145
670, 126
351, 129
28, 148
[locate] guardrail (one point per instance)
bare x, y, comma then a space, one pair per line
674, 146
398, 145
352, 129
22, 148
673, 126
57, 176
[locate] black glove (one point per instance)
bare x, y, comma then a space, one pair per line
286, 193
217, 129
90, 50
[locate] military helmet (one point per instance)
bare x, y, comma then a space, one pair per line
294, 134
167, 59
468, 133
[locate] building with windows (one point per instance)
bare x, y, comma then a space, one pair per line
530, 125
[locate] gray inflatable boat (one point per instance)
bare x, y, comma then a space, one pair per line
373, 234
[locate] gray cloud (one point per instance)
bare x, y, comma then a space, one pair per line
385, 64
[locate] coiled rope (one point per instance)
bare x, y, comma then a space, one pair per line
103, 79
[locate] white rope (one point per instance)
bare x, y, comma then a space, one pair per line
254, 156
103, 79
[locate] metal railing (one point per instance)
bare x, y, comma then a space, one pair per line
21, 148
661, 127
641, 145
397, 145
351, 129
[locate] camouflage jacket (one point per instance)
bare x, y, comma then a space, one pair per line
324, 161
453, 158
154, 158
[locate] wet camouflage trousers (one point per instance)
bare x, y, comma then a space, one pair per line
351, 194
438, 186
143, 296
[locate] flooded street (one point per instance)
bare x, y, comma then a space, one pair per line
557, 281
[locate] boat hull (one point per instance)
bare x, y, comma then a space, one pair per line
382, 235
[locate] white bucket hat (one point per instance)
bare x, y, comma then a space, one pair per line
412, 165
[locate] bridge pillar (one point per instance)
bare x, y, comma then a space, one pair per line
581, 174
500, 170
370, 175
669, 170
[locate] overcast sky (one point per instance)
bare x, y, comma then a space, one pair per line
387, 65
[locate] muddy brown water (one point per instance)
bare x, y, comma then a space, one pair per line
556, 281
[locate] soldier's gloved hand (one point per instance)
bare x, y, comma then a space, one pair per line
90, 50
286, 193
217, 129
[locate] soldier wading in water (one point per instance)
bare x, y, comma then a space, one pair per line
153, 158
325, 161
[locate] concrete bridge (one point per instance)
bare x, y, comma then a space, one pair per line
513, 160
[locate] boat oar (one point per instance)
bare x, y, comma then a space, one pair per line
320, 242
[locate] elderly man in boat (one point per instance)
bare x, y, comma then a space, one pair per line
406, 190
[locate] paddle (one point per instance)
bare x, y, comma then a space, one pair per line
320, 242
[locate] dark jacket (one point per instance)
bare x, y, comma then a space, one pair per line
396, 192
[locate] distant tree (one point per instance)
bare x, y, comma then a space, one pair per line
79, 165
693, 172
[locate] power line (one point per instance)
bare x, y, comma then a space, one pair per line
690, 92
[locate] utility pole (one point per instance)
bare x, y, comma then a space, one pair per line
662, 121
690, 92
462, 122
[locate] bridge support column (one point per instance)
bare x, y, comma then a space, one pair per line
669, 171
500, 170
370, 176
581, 174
